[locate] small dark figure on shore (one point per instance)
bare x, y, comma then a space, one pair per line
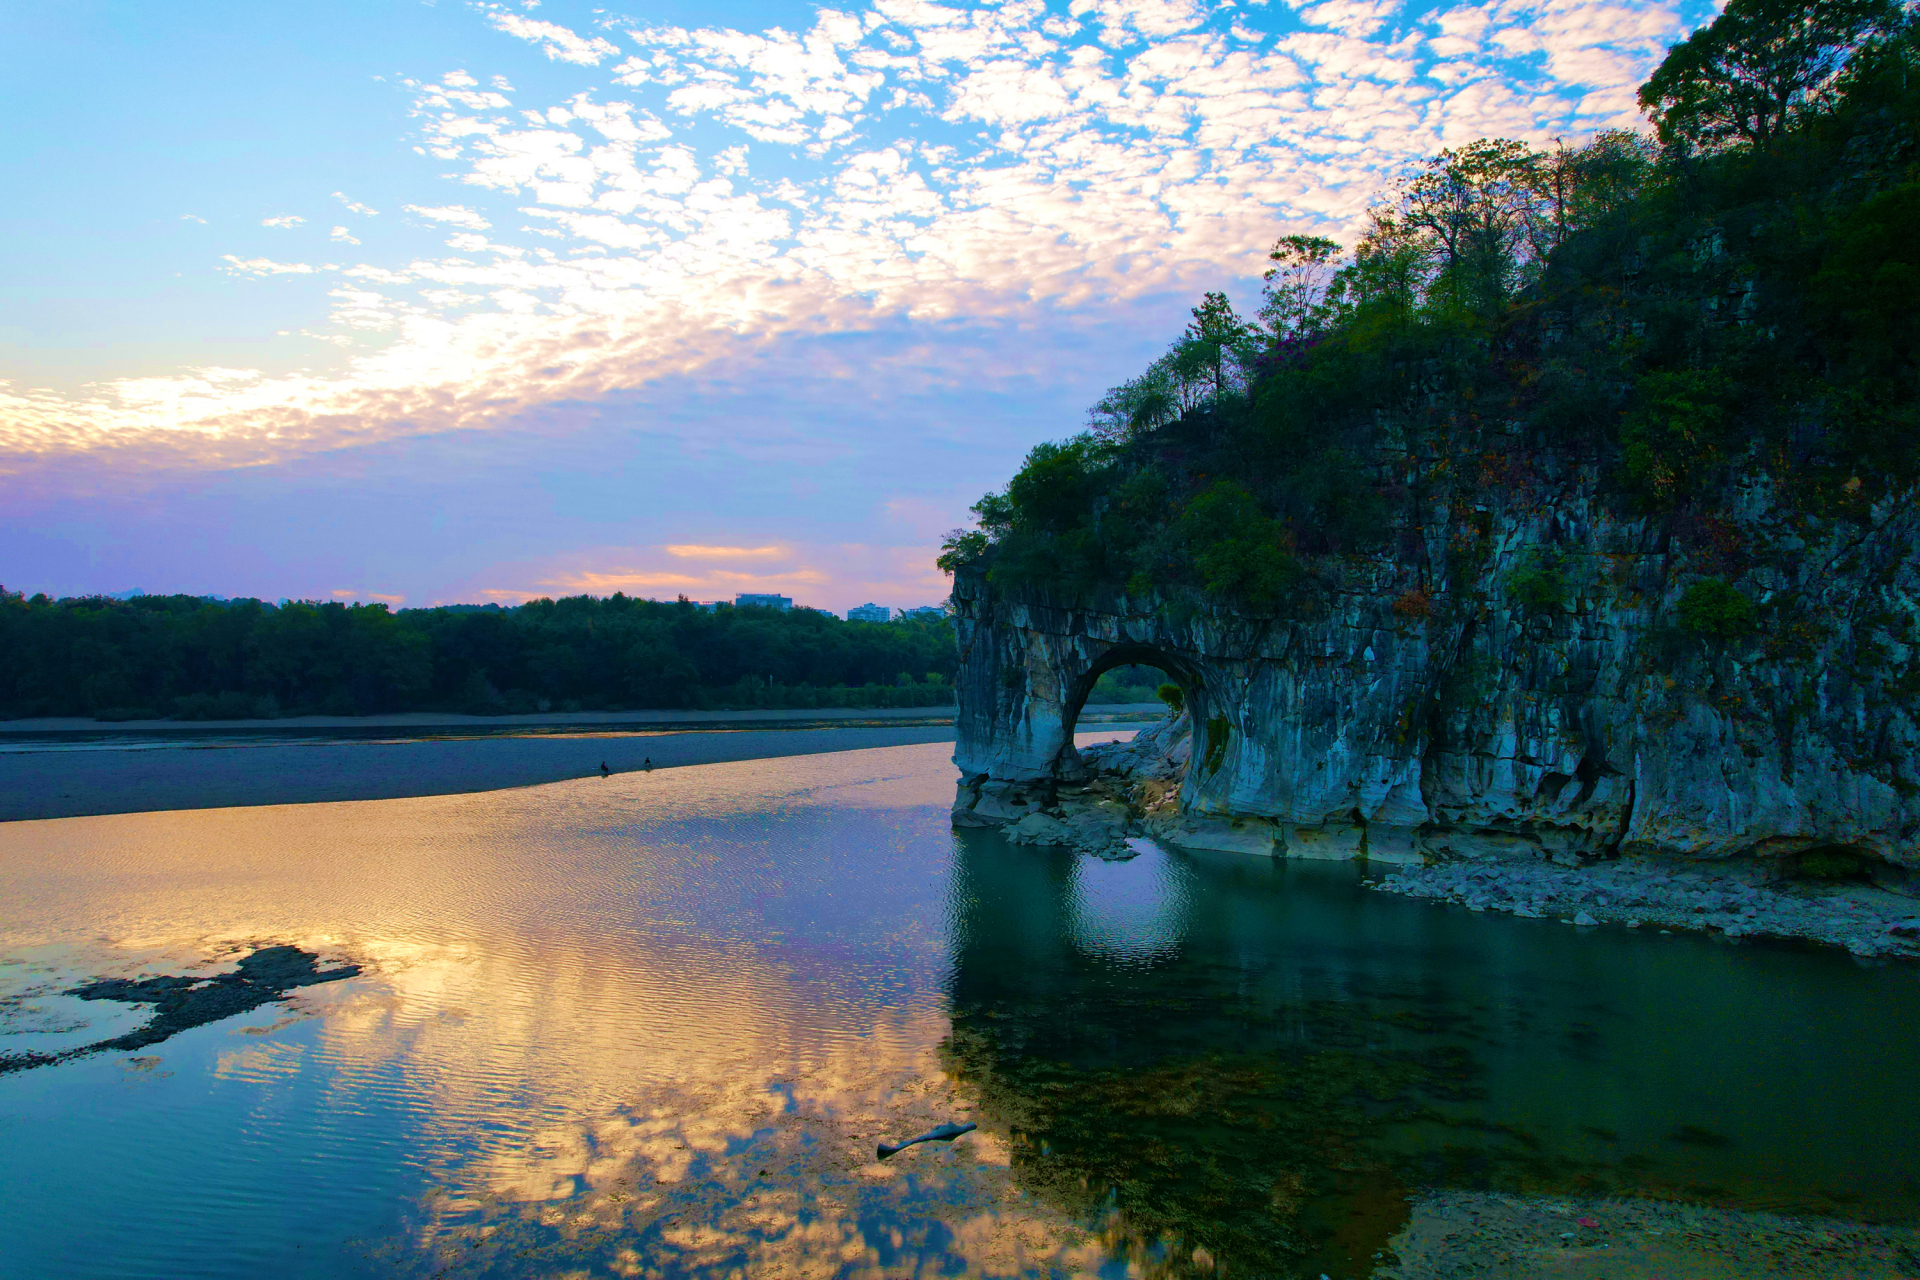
604, 771
649, 765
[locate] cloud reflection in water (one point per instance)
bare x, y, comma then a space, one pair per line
653, 1022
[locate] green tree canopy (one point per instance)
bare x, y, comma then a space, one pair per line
1296, 285
205, 659
1749, 75
1679, 325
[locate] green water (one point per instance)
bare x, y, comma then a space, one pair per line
655, 1025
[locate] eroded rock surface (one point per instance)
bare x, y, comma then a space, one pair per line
1510, 683
1124, 791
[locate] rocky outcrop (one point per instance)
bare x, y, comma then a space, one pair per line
1126, 790
1728, 899
1513, 682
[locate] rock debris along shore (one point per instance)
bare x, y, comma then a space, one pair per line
1129, 794
1866, 921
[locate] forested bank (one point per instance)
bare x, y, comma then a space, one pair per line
192, 658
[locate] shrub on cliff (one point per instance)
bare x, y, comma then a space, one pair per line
1676, 434
1715, 611
1538, 585
1239, 554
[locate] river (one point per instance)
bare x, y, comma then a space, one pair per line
655, 1024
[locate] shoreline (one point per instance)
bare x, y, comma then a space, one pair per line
1129, 795
58, 781
1495, 1236
1094, 712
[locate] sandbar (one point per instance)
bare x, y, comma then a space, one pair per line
49, 771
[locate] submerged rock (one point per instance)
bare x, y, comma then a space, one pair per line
181, 1003
1492, 1236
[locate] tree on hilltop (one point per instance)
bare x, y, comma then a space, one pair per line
1755, 71
1217, 333
1296, 285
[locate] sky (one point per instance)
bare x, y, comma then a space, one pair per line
426, 302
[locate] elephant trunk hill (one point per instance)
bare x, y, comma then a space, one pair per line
1567, 519
1384, 727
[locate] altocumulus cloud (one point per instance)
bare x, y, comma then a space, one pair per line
700, 191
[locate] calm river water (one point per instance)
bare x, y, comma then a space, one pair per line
654, 1025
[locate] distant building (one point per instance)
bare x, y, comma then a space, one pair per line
924, 611
782, 603
870, 613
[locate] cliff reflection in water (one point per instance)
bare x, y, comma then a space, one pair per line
648, 1025
1228, 1061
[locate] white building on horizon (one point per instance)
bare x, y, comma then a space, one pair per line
870, 613
782, 603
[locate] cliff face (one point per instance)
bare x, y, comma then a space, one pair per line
1509, 682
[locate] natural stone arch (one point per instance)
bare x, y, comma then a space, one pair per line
1188, 674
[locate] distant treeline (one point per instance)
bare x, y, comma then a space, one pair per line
198, 659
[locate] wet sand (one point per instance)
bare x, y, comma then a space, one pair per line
68, 784
70, 767
174, 771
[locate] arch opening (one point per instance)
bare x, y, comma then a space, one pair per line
1186, 675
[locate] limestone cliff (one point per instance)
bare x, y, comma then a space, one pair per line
1441, 702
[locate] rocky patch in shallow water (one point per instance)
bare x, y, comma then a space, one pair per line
1129, 793
1453, 1235
1866, 920
181, 1003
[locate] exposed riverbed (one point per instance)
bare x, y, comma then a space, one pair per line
65, 769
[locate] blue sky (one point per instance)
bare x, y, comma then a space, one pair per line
466, 301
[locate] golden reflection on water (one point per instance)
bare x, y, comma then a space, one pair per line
639, 1024
656, 1025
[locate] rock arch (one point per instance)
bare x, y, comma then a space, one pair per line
1363, 728
1024, 679
1191, 675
